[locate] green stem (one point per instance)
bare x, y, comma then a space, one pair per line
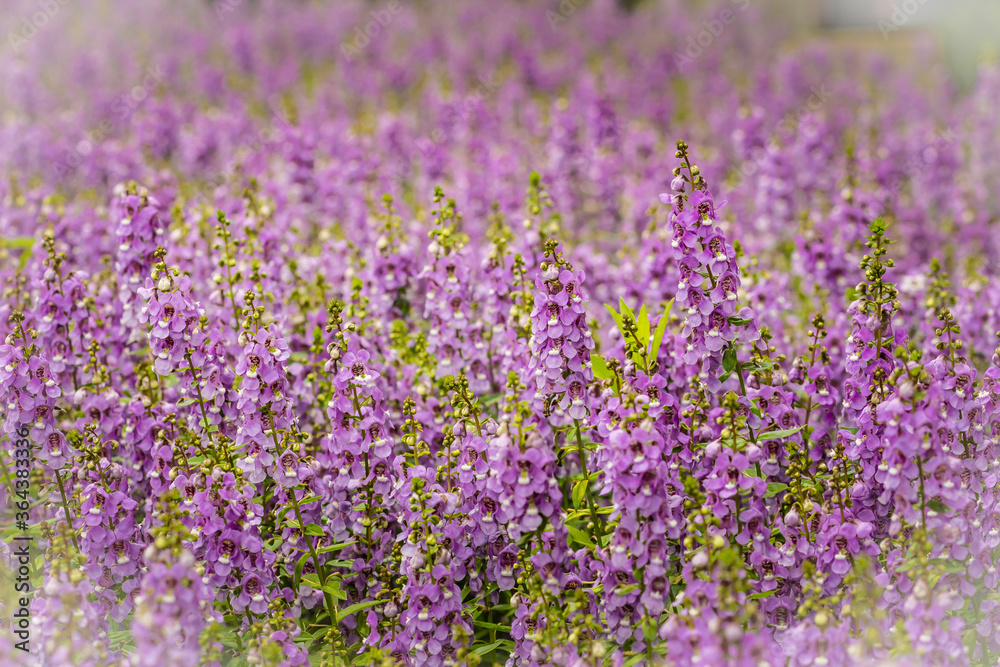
7, 479
320, 571
743, 392
586, 475
923, 498
229, 277
65, 504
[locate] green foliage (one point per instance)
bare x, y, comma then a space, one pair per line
640, 346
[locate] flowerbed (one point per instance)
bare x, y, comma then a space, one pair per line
438, 348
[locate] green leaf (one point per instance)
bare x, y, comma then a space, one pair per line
774, 488
207, 426
634, 660
618, 318
228, 640
355, 608
184, 402
948, 564
119, 636
491, 626
938, 506
18, 242
491, 399
288, 508
24, 243
335, 547
643, 324
625, 310
297, 577
649, 629
729, 360
601, 370
579, 492
765, 594
332, 587
579, 536
661, 328
489, 648
313, 529
774, 435
763, 366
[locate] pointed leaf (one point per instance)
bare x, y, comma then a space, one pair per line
624, 309
489, 648
335, 547
729, 360
491, 626
360, 606
938, 506
333, 588
643, 324
765, 594
314, 530
649, 629
661, 328
297, 578
774, 435
579, 536
18, 242
616, 316
600, 367
634, 660
774, 488
579, 492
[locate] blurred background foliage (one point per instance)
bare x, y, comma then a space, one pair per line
966, 31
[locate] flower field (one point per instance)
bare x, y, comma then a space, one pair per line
523, 333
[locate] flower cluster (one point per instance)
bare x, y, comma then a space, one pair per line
140, 232
560, 339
